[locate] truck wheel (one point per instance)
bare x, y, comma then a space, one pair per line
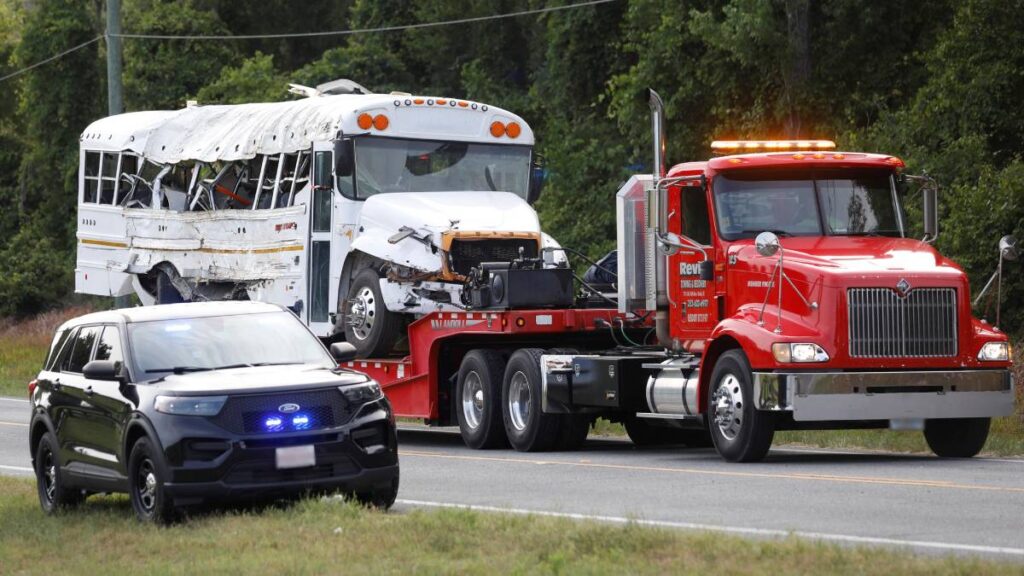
573, 429
527, 427
369, 325
478, 399
956, 437
739, 432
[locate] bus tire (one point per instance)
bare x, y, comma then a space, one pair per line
528, 428
478, 399
739, 431
369, 325
956, 437
166, 292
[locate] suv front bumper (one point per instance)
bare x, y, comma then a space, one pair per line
834, 396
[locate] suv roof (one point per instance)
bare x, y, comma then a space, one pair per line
172, 312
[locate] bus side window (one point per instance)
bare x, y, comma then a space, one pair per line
108, 177
92, 177
125, 176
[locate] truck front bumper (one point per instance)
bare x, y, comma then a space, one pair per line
825, 396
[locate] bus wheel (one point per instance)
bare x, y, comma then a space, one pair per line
956, 437
528, 428
478, 399
166, 293
369, 325
740, 432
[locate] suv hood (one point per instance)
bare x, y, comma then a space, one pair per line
257, 379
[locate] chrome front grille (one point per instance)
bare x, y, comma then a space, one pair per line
883, 324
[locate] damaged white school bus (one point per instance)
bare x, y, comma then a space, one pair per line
358, 211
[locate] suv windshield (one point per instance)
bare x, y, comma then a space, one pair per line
833, 203
384, 165
217, 342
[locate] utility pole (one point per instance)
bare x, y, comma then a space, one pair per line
115, 105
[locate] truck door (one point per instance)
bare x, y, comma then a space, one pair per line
693, 305
322, 263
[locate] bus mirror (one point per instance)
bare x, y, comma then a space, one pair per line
343, 157
537, 175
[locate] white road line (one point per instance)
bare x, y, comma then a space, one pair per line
6, 399
745, 531
16, 468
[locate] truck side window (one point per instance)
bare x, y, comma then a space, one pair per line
109, 346
81, 350
696, 222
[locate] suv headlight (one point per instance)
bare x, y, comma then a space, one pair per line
787, 353
190, 405
362, 393
995, 352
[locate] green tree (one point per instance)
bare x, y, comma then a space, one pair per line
254, 80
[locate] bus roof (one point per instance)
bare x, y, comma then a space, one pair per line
243, 131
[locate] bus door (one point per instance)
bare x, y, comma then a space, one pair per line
322, 258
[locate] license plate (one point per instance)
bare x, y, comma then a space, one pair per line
295, 457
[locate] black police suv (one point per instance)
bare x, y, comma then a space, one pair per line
186, 404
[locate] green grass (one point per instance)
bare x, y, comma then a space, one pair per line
335, 537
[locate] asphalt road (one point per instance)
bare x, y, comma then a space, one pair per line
971, 506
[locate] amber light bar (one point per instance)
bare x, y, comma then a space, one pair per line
756, 145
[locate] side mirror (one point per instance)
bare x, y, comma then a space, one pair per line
344, 157
931, 212
1008, 248
767, 244
109, 370
537, 176
343, 352
707, 270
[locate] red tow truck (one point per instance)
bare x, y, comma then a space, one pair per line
773, 287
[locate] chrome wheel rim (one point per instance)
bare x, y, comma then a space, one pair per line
728, 406
146, 485
362, 313
49, 469
519, 396
473, 400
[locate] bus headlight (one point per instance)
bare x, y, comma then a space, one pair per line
799, 352
994, 352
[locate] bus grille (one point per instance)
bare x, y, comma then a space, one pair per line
466, 254
884, 324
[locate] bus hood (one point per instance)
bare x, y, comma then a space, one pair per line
428, 215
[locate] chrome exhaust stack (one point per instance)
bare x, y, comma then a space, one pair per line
657, 286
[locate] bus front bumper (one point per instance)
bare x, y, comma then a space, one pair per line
825, 396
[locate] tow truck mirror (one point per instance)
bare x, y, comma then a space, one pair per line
1008, 248
767, 244
343, 352
102, 370
931, 212
707, 270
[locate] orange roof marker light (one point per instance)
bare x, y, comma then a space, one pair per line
513, 130
733, 146
381, 122
365, 121
497, 129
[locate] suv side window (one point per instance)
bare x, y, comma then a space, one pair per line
59, 340
81, 349
109, 346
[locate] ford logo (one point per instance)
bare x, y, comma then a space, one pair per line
288, 408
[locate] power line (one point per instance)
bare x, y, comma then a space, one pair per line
51, 58
365, 30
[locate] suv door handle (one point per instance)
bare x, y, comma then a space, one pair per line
56, 384
88, 390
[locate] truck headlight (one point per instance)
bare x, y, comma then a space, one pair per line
190, 405
786, 352
362, 393
994, 352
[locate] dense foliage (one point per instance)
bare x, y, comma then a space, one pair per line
934, 81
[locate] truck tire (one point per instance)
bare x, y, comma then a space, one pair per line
739, 431
528, 428
478, 399
956, 437
369, 325
573, 429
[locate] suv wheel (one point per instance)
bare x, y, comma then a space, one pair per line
53, 495
381, 497
146, 479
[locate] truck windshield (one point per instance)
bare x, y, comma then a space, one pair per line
384, 165
221, 342
832, 203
